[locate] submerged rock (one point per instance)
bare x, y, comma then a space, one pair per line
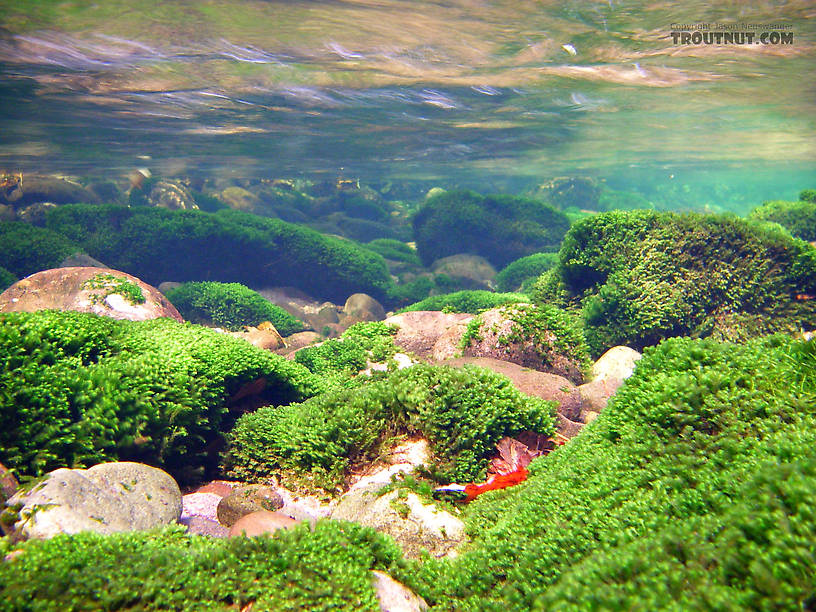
100, 291
246, 500
471, 271
21, 190
261, 522
420, 330
395, 596
363, 307
416, 526
616, 363
109, 497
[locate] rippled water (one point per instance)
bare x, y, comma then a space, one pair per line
494, 95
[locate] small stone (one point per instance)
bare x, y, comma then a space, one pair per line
247, 500
198, 525
258, 523
617, 362
395, 596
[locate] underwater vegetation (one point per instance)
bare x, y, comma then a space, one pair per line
472, 301
692, 489
6, 279
26, 249
642, 276
500, 228
231, 306
462, 413
799, 218
79, 389
519, 274
156, 245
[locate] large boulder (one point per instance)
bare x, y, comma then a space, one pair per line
513, 333
416, 526
107, 498
100, 291
420, 330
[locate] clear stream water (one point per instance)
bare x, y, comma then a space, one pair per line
497, 96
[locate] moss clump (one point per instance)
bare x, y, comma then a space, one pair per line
799, 218
500, 228
693, 489
324, 568
111, 284
26, 249
642, 276
519, 273
7, 279
348, 355
472, 301
462, 413
808, 195
231, 306
394, 250
155, 244
80, 389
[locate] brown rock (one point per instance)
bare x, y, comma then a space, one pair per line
449, 344
419, 331
8, 484
532, 382
268, 338
66, 289
300, 340
261, 522
218, 487
199, 525
363, 307
596, 394
246, 500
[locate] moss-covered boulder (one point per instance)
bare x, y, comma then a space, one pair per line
100, 291
543, 338
799, 218
80, 389
500, 228
232, 306
642, 276
472, 301
26, 249
156, 245
517, 274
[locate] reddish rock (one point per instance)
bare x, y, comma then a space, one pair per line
532, 382
67, 289
261, 522
219, 487
597, 393
419, 331
536, 348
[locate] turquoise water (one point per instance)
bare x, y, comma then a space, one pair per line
497, 96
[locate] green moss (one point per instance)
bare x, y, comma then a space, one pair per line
156, 244
808, 195
231, 306
394, 250
324, 568
81, 389
799, 218
351, 353
462, 413
472, 301
514, 276
114, 284
500, 228
642, 276
691, 490
7, 279
26, 249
